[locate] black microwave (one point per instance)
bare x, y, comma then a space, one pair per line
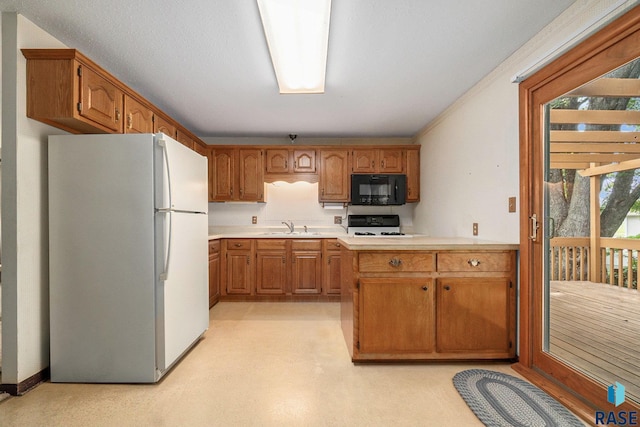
378, 190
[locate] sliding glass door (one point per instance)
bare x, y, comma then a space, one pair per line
580, 151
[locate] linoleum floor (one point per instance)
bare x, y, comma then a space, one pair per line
261, 364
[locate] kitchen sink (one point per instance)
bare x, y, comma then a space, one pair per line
291, 234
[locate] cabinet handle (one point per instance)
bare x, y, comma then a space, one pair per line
248, 260
425, 288
129, 121
286, 164
283, 260
373, 164
447, 288
238, 245
382, 164
474, 262
117, 114
337, 245
395, 262
295, 164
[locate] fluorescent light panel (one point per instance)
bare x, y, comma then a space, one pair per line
297, 33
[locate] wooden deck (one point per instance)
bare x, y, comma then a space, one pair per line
595, 328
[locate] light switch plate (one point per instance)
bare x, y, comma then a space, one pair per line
254, 220
475, 228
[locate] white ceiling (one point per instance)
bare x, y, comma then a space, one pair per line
393, 65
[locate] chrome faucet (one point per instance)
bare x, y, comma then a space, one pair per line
289, 226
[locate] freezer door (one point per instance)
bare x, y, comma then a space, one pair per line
181, 177
183, 296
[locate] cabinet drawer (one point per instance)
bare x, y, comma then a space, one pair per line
271, 244
234, 244
474, 261
214, 246
332, 245
306, 245
396, 262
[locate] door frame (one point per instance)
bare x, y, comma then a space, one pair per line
613, 46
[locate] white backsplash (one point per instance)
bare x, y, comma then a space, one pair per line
297, 202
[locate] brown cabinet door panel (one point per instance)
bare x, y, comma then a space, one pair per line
396, 315
251, 175
474, 315
334, 176
412, 169
223, 174
100, 100
138, 117
307, 272
277, 161
364, 161
304, 161
239, 273
391, 161
271, 277
332, 273
160, 124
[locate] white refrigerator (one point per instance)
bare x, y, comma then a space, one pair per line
128, 259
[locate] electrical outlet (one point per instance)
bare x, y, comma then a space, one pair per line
254, 220
337, 219
475, 228
512, 204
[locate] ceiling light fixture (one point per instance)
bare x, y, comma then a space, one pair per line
297, 33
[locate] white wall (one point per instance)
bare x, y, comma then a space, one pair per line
25, 298
470, 153
297, 202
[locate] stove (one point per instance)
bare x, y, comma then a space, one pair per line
374, 226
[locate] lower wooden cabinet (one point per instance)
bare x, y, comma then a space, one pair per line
429, 305
214, 272
280, 268
474, 315
332, 262
271, 266
239, 266
306, 260
396, 315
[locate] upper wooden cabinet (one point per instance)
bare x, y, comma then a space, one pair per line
236, 175
412, 170
290, 161
185, 139
334, 176
67, 90
372, 160
161, 124
138, 117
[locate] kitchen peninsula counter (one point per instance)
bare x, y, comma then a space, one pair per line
419, 242
426, 298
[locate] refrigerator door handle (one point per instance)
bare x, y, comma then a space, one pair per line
167, 258
162, 143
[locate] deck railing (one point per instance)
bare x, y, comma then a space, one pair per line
617, 259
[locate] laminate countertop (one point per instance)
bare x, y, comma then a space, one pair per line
422, 243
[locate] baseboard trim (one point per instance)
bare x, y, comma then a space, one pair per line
26, 385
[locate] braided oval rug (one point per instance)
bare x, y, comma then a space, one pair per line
501, 400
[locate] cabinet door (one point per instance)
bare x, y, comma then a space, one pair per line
307, 272
200, 149
214, 273
475, 315
277, 161
412, 169
222, 163
138, 117
304, 161
390, 161
185, 139
396, 315
331, 274
160, 124
364, 161
251, 175
239, 273
271, 272
100, 100
334, 176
